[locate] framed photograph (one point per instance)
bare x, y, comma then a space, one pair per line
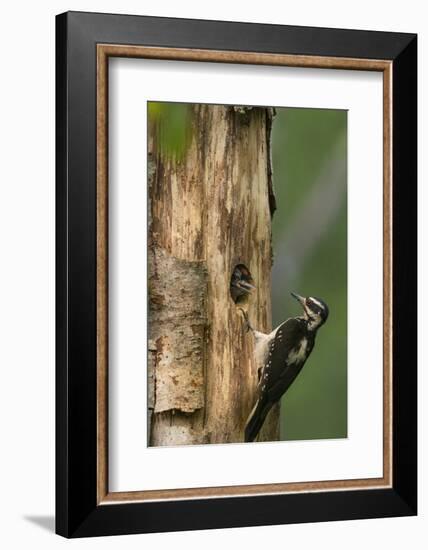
236, 274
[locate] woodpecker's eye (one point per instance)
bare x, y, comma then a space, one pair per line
317, 307
314, 307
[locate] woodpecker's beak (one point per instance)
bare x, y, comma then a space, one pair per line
300, 299
247, 287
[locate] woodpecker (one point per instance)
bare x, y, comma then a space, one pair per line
280, 357
241, 283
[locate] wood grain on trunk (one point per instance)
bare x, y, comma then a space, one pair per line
208, 211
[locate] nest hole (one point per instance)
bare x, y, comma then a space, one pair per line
241, 284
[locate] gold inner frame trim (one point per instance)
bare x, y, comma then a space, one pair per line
104, 51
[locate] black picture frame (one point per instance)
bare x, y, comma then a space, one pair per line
77, 511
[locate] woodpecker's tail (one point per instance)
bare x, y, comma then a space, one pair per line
256, 419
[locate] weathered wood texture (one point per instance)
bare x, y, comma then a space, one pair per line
209, 211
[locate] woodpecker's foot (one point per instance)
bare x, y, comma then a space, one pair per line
247, 323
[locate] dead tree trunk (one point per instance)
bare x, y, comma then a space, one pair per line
209, 212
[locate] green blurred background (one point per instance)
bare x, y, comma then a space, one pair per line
309, 152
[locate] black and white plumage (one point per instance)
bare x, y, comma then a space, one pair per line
280, 357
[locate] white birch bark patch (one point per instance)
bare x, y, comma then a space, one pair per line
177, 329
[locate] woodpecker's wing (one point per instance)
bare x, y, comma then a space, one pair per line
278, 373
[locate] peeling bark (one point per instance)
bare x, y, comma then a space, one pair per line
208, 212
177, 291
